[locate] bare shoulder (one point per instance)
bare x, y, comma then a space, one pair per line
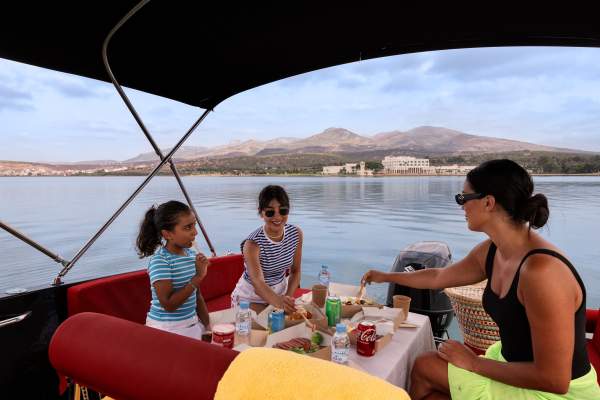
250, 246
544, 274
479, 253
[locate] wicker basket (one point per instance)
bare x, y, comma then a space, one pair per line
478, 329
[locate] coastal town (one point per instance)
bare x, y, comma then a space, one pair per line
397, 165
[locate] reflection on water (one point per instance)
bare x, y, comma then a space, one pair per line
350, 224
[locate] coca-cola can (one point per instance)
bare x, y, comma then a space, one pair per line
365, 341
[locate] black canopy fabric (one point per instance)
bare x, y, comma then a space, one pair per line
200, 53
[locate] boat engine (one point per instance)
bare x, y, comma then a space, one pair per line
433, 303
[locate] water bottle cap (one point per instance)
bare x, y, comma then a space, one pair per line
340, 328
244, 304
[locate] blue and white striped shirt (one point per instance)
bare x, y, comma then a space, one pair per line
276, 258
165, 265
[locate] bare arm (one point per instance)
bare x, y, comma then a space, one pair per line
550, 296
202, 310
295, 273
251, 258
469, 270
172, 299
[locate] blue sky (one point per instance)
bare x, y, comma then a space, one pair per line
541, 95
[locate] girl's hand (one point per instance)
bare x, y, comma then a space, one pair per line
458, 354
202, 264
373, 276
287, 303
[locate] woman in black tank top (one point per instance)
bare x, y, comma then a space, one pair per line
533, 293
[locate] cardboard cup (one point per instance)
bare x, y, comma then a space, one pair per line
403, 302
319, 294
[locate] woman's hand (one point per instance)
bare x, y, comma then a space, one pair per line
202, 264
373, 276
458, 354
287, 303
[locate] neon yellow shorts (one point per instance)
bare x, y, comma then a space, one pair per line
466, 385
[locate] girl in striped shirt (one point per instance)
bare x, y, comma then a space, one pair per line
175, 271
272, 256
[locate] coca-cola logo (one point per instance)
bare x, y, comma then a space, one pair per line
368, 335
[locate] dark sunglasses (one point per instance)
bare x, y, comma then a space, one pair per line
462, 198
283, 211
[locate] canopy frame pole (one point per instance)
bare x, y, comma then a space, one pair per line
164, 160
141, 124
33, 243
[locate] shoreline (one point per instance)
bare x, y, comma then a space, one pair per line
276, 175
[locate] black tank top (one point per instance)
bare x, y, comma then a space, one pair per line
509, 314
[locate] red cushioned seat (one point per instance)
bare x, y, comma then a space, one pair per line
126, 360
127, 295
593, 344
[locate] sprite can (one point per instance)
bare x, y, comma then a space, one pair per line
333, 310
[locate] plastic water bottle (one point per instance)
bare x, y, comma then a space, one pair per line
324, 276
340, 345
243, 322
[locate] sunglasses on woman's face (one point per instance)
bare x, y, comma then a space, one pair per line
462, 198
283, 211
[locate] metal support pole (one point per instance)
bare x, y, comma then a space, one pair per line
141, 124
65, 270
33, 243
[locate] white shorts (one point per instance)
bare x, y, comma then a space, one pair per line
190, 327
244, 290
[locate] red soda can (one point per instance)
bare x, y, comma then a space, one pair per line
365, 341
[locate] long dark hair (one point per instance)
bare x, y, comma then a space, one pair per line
272, 192
155, 220
512, 187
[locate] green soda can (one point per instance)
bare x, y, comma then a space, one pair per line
333, 310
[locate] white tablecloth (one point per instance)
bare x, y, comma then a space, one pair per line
394, 362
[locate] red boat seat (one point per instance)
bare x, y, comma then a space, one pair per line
593, 344
126, 360
128, 295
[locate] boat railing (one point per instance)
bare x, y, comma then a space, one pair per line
164, 159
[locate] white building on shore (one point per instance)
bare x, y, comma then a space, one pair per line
454, 169
407, 166
348, 168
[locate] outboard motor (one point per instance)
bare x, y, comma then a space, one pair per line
433, 303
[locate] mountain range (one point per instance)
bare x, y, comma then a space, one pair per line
423, 139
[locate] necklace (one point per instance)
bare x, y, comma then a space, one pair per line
274, 237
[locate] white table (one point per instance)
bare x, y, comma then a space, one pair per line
394, 362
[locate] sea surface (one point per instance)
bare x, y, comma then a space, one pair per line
350, 224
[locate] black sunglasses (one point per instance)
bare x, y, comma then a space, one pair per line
462, 198
283, 211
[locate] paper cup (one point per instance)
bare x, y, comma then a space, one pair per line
403, 302
319, 294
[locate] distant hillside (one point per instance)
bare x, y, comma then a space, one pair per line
421, 140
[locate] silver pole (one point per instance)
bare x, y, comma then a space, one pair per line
32, 243
65, 270
141, 124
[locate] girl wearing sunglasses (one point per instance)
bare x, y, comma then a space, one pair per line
533, 293
272, 256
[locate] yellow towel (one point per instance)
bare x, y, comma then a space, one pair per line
262, 373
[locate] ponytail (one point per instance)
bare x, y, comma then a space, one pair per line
156, 219
149, 237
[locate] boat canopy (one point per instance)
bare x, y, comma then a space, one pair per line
201, 53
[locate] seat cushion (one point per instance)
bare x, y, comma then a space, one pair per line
124, 296
596, 337
223, 274
594, 357
219, 303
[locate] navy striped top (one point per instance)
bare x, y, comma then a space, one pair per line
276, 258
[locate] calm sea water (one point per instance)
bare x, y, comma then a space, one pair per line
350, 224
